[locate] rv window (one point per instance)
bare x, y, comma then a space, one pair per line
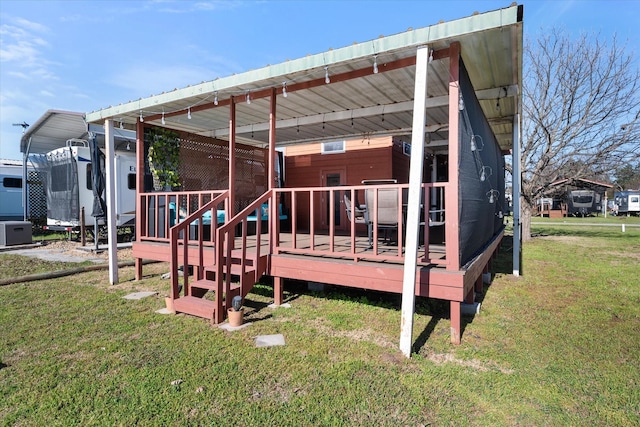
59, 178
9, 182
634, 199
131, 181
582, 198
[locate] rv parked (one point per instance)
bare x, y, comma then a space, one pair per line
584, 202
11, 193
70, 182
628, 202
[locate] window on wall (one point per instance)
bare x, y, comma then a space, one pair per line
333, 147
9, 182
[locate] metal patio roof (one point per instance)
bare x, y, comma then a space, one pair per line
52, 130
55, 127
356, 102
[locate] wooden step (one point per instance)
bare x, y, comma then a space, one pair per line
195, 307
235, 269
237, 262
210, 285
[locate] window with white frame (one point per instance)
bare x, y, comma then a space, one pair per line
333, 147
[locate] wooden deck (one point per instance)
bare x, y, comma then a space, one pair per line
338, 255
356, 265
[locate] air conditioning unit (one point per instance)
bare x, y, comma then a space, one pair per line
15, 233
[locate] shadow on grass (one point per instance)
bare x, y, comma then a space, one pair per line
437, 309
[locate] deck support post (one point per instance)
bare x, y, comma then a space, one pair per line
277, 291
413, 211
470, 297
456, 322
479, 284
138, 265
231, 210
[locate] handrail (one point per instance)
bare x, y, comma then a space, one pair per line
183, 227
225, 241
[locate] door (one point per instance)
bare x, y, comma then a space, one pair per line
333, 178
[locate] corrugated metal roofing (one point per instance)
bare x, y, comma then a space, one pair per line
356, 101
55, 127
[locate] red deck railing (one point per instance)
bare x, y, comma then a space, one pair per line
181, 239
160, 211
317, 224
315, 238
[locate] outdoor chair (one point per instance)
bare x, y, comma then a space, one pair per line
360, 215
386, 216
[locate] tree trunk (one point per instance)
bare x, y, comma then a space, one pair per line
525, 220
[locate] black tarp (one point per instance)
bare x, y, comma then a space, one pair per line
481, 201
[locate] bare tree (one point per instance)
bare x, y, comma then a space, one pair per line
581, 108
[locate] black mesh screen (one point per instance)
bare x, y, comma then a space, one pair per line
481, 175
61, 186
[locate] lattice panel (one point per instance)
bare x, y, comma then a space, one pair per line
37, 199
205, 166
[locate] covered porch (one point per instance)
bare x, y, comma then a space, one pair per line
450, 90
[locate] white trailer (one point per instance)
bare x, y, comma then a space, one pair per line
628, 202
69, 187
13, 192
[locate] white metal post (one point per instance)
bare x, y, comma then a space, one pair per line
517, 180
413, 208
111, 202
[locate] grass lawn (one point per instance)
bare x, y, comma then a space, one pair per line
558, 346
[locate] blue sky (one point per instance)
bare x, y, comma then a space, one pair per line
86, 55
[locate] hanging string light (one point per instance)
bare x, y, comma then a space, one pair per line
284, 89
141, 118
375, 64
484, 174
189, 113
215, 98
327, 80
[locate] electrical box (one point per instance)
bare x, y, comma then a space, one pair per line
15, 233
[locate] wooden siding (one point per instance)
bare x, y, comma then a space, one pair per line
306, 170
350, 145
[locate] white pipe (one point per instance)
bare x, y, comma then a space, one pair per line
517, 180
413, 209
109, 142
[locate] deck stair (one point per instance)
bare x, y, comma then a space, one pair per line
231, 272
194, 301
